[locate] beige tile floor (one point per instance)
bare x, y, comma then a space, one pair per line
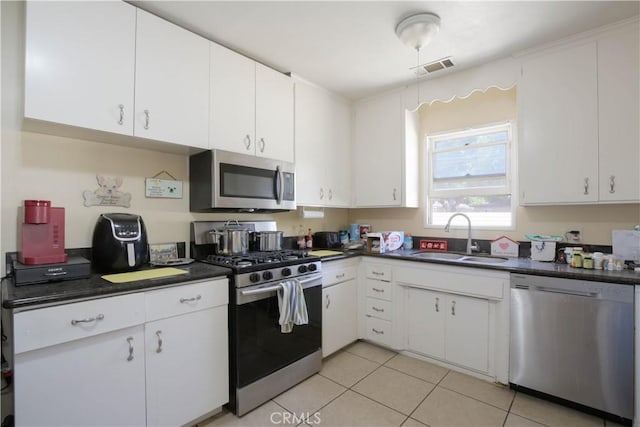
366, 385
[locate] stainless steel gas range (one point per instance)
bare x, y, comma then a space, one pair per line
264, 361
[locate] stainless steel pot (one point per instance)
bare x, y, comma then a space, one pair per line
230, 241
266, 241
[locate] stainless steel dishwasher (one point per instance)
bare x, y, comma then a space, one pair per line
573, 339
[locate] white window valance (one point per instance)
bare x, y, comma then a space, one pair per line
502, 74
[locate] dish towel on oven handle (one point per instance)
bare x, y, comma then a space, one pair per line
292, 306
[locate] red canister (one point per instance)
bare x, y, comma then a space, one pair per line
36, 211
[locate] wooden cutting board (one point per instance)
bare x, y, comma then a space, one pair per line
134, 276
324, 253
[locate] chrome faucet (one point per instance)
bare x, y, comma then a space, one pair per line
470, 247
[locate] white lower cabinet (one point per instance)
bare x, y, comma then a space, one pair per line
450, 327
455, 316
99, 380
186, 370
97, 362
340, 303
376, 305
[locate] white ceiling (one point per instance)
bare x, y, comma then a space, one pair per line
350, 47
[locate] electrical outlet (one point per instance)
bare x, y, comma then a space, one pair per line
573, 235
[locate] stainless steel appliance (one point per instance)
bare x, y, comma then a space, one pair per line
263, 361
573, 339
119, 243
227, 181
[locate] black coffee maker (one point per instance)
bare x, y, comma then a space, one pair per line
119, 243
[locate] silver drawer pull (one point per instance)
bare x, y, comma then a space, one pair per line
377, 273
340, 276
328, 301
612, 184
377, 331
453, 308
159, 335
196, 298
437, 305
247, 140
378, 290
379, 310
88, 319
130, 341
147, 115
121, 108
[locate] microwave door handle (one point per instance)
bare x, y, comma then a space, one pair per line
278, 185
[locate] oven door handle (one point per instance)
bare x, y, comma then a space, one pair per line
276, 287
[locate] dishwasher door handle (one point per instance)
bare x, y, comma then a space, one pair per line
567, 292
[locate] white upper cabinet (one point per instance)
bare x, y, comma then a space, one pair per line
578, 109
558, 122
233, 101
385, 154
171, 83
87, 61
618, 109
274, 114
80, 59
322, 146
251, 107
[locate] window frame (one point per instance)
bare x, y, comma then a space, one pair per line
509, 188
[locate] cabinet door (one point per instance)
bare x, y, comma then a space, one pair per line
187, 366
87, 382
425, 321
339, 317
233, 101
80, 64
312, 122
467, 332
338, 156
558, 122
377, 154
274, 114
619, 109
172, 83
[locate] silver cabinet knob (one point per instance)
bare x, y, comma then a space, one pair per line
130, 342
146, 119
121, 121
159, 335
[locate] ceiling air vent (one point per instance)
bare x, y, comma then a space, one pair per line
432, 67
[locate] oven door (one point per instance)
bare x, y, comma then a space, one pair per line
258, 347
243, 181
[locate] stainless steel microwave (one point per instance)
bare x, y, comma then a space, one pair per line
226, 181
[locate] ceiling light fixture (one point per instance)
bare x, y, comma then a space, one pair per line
417, 31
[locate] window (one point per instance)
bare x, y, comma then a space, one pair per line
470, 172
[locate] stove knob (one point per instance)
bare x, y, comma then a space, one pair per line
313, 267
286, 272
302, 269
254, 277
267, 275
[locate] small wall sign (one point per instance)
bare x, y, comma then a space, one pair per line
163, 188
108, 193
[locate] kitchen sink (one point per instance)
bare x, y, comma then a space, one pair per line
449, 256
483, 259
438, 255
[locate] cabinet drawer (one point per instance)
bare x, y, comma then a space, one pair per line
379, 330
183, 299
54, 325
378, 289
331, 276
378, 308
378, 272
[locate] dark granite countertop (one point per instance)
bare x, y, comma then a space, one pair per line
94, 286
528, 266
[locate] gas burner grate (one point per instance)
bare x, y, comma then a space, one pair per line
257, 258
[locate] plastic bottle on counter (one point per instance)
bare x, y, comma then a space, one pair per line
309, 242
408, 242
587, 261
576, 259
598, 259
